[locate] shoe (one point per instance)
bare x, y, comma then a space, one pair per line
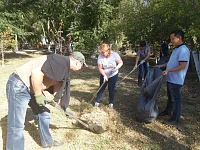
110, 105
54, 144
96, 104
171, 122
164, 113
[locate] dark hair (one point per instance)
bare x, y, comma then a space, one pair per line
142, 43
178, 33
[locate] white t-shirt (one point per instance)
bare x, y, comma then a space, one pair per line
109, 63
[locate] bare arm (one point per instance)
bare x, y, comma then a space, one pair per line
137, 59
160, 66
100, 67
56, 88
119, 63
147, 57
37, 80
181, 66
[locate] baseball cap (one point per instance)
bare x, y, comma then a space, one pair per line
79, 56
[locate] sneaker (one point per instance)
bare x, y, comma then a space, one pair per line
96, 104
171, 122
110, 105
54, 144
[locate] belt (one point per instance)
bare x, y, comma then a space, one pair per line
14, 74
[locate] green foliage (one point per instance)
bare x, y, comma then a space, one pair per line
85, 40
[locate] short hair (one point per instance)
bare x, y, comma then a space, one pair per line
178, 33
143, 43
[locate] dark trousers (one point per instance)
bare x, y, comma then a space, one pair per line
174, 100
142, 72
111, 86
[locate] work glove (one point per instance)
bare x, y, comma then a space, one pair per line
135, 67
40, 99
114, 70
142, 61
105, 78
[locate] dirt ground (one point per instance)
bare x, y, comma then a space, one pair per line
122, 131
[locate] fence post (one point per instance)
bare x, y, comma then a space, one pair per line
196, 56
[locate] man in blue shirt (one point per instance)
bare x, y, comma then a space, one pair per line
175, 73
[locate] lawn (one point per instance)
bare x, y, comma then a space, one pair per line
123, 132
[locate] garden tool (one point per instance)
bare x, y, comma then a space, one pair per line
95, 94
92, 127
129, 73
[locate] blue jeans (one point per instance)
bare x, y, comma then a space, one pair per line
174, 100
18, 99
111, 86
142, 72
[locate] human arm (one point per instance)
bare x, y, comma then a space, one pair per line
160, 66
36, 81
56, 88
100, 68
148, 55
136, 62
181, 66
119, 64
137, 59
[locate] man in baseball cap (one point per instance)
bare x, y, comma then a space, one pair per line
79, 56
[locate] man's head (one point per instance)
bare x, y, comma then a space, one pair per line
177, 37
78, 61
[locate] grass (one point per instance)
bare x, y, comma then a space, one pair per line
123, 132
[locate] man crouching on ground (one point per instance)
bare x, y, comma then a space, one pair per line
25, 87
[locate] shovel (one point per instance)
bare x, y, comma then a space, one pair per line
92, 127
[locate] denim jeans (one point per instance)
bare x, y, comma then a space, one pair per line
18, 99
174, 100
142, 72
111, 86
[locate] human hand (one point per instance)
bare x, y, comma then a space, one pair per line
142, 61
165, 72
40, 99
135, 67
105, 78
114, 70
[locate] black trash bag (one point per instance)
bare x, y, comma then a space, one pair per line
147, 110
163, 60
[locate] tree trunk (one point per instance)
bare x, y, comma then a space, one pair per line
2, 54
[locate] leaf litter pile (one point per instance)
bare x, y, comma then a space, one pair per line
105, 117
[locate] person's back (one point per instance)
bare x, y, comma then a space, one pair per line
164, 49
24, 71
